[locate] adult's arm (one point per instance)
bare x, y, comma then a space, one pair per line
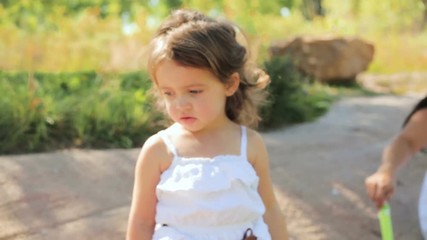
411, 139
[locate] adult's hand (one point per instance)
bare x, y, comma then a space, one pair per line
380, 187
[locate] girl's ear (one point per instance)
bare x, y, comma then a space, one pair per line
233, 84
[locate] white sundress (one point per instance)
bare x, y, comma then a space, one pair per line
209, 198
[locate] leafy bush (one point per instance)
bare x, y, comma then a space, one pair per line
49, 111
293, 98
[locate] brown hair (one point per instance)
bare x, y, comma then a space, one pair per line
192, 39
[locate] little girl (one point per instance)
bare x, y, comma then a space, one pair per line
206, 177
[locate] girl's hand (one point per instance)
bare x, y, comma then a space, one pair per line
380, 187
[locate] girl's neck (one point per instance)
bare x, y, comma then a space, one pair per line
207, 143
207, 131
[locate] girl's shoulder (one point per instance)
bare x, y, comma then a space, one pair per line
254, 138
256, 148
155, 153
156, 142
153, 144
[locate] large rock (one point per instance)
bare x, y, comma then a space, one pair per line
327, 58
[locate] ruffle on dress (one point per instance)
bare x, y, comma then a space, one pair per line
220, 190
206, 174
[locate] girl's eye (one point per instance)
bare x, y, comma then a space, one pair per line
196, 91
168, 93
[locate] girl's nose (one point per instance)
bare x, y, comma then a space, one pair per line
183, 103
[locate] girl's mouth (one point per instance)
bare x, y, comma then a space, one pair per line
188, 120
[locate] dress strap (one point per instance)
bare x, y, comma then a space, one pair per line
243, 142
168, 142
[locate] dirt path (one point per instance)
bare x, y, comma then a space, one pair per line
318, 170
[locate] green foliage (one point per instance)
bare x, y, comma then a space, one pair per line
292, 98
49, 111
17, 119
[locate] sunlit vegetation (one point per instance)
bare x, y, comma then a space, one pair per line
111, 35
72, 72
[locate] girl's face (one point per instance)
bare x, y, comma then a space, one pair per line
195, 98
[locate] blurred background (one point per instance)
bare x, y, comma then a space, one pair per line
73, 79
72, 72
110, 35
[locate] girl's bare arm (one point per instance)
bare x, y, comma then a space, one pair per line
273, 215
147, 175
